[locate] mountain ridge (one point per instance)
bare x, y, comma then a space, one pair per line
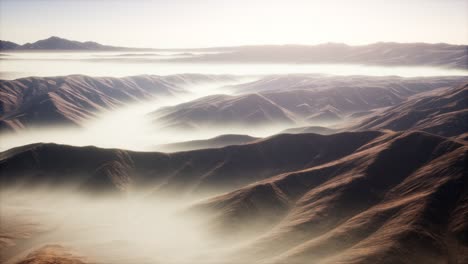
332, 212
56, 43
188, 172
380, 53
69, 100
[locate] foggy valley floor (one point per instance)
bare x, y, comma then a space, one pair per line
202, 168
347, 200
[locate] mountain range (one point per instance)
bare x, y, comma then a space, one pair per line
437, 112
284, 100
386, 183
60, 101
305, 101
342, 198
56, 43
440, 112
382, 53
361, 208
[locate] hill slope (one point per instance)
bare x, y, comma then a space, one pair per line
342, 198
367, 207
442, 112
300, 100
224, 110
37, 101
192, 172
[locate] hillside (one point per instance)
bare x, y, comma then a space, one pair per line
69, 100
224, 110
193, 172
442, 112
362, 208
401, 86
298, 100
343, 198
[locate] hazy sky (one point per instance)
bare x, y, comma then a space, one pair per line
202, 23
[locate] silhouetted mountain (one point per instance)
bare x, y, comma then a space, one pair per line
400, 198
216, 142
8, 45
56, 43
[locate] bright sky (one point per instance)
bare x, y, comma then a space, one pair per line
205, 23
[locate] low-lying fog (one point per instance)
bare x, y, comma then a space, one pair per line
135, 228
132, 128
118, 64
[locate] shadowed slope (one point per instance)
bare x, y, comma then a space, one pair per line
443, 112
369, 207
187, 172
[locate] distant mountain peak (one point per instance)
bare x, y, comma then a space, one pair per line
58, 43
8, 45
54, 38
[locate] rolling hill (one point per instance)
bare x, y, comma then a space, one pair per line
353, 197
69, 100
292, 100
192, 172
298, 100
224, 110
367, 207
389, 187
342, 198
442, 112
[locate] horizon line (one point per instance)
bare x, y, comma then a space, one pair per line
250, 45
